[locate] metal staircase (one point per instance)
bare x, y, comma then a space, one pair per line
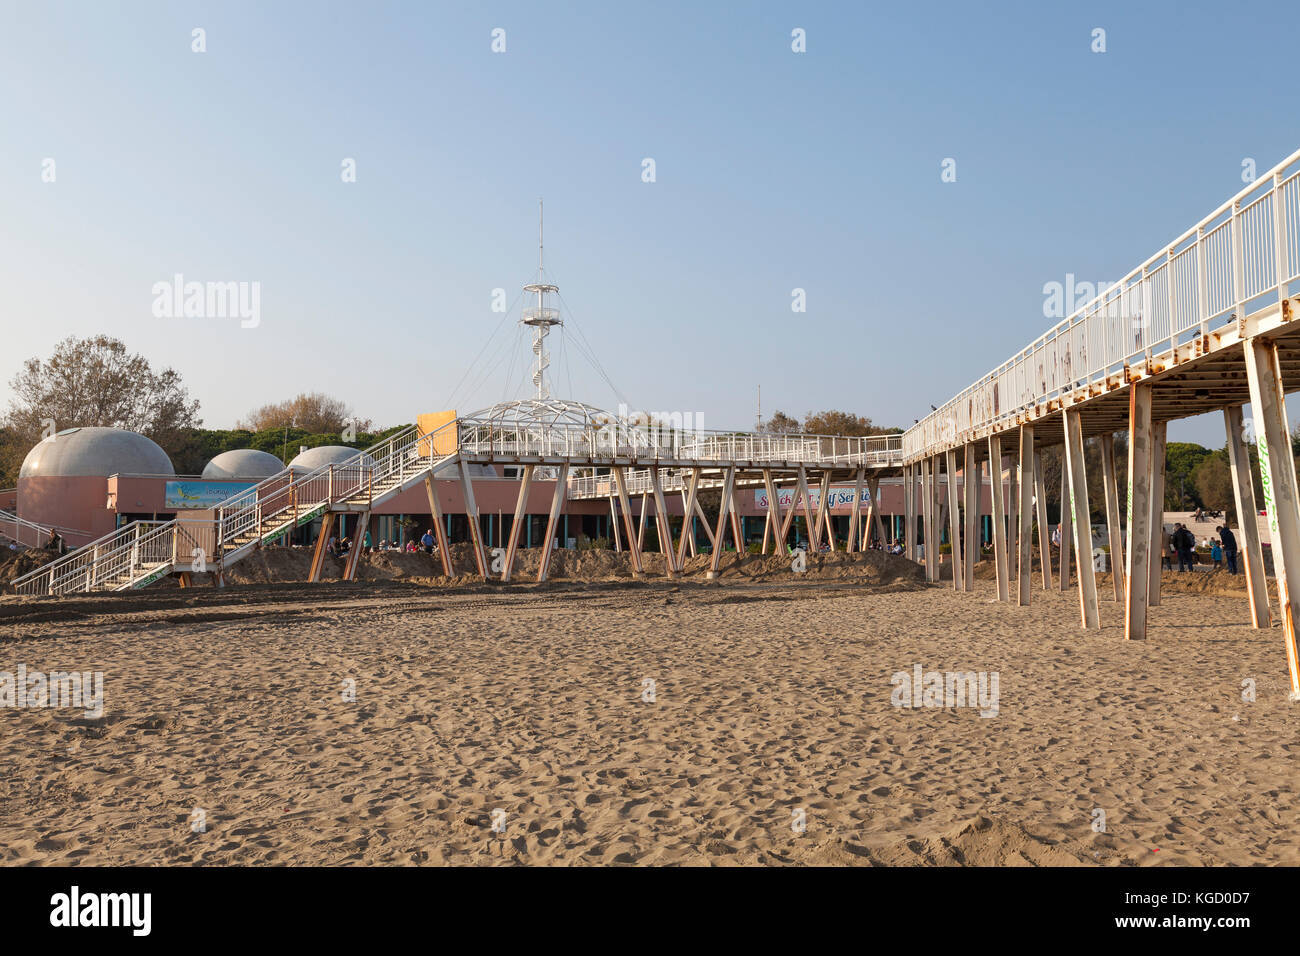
139, 553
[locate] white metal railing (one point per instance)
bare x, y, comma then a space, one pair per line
600, 443
817, 451
133, 546
30, 533
1241, 257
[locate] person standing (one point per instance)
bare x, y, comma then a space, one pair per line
426, 542
1185, 542
1229, 547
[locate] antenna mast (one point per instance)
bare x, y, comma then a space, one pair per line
541, 317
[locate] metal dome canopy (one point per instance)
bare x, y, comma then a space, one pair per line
95, 452
539, 413
323, 455
243, 463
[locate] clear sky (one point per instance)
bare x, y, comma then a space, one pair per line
774, 170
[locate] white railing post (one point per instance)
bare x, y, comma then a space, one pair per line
1170, 292
1279, 236
1238, 268
1202, 284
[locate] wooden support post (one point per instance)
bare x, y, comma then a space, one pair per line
358, 546
1158, 431
1013, 515
823, 501
688, 514
1139, 556
1110, 485
645, 513
439, 529
1281, 500
855, 515
1044, 536
613, 526
927, 532
737, 534
1077, 470
788, 521
930, 489
767, 531
935, 531
773, 515
661, 523
704, 522
728, 487
954, 521
633, 539
803, 492
521, 507
909, 508
1067, 524
1024, 513
1250, 552
939, 509
318, 553
687, 537
828, 519
873, 515
971, 488
999, 528
471, 515
552, 521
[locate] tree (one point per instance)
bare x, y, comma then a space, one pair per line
314, 412
1213, 481
202, 445
842, 424
780, 423
94, 382
833, 423
1181, 461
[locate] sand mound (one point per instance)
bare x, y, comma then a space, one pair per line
14, 564
284, 565
981, 841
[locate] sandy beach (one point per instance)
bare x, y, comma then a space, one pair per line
768, 736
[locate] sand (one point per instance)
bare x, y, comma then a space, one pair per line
772, 696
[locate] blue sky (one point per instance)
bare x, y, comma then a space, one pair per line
774, 171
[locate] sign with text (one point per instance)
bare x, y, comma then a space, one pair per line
201, 494
840, 497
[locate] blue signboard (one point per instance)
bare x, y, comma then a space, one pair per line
201, 494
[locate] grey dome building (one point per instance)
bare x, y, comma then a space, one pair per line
95, 452
323, 455
242, 463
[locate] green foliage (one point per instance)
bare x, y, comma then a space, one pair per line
1181, 461
200, 445
1213, 481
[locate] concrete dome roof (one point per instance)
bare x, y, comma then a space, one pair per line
323, 455
95, 452
242, 463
